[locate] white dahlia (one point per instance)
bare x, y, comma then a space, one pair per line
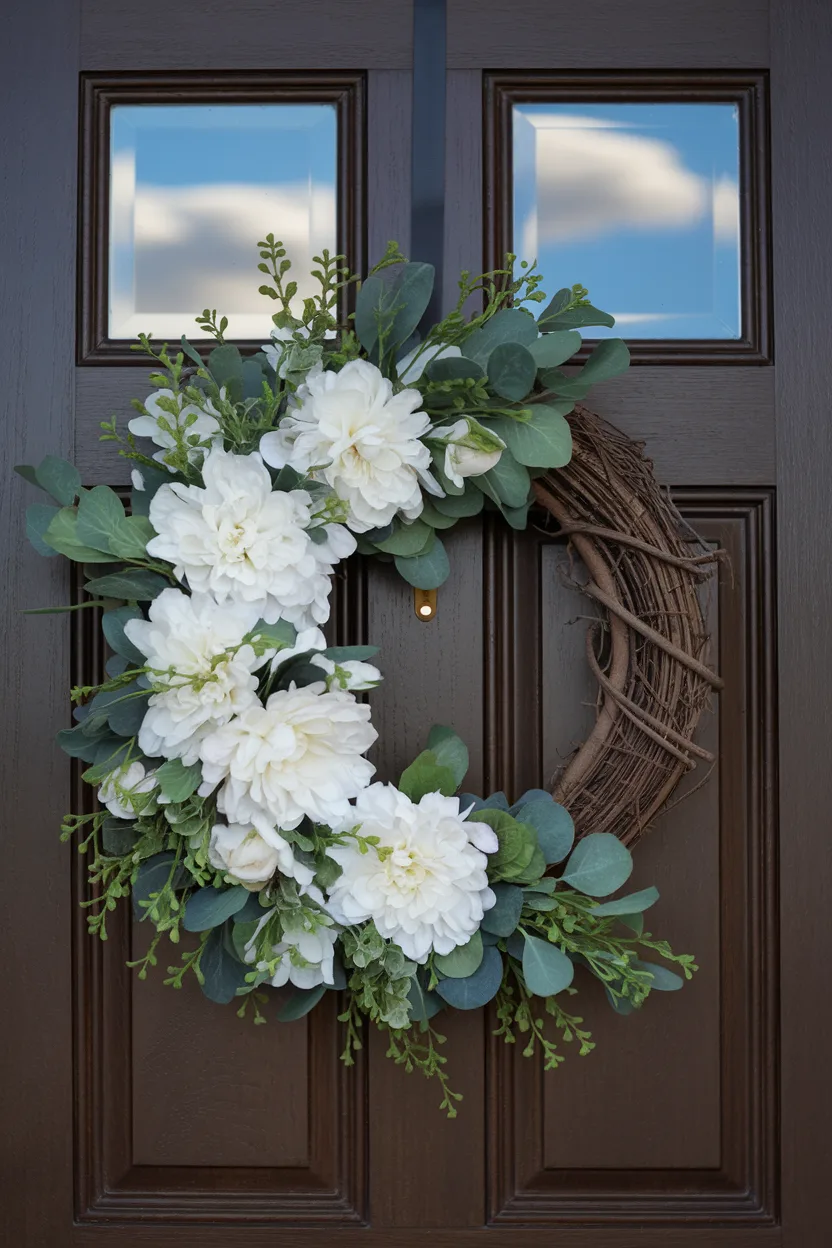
158, 424
306, 953
239, 539
350, 430
200, 670
126, 790
299, 755
425, 885
251, 855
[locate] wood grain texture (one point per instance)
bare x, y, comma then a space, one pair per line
645, 34
801, 195
249, 34
38, 68
389, 105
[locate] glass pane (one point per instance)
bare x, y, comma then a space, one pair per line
639, 203
192, 189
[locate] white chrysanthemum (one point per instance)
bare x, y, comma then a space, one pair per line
201, 671
413, 363
203, 424
251, 855
427, 888
361, 438
299, 755
306, 951
470, 449
239, 539
125, 790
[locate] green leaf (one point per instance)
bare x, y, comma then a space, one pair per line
117, 837
598, 865
131, 537
423, 1004
176, 781
517, 841
511, 371
508, 479
411, 291
191, 352
546, 969
449, 750
59, 478
507, 325
553, 825
112, 624
610, 358
80, 742
300, 1003
134, 585
62, 535
210, 907
621, 1005
477, 989
225, 365
99, 515
425, 775
634, 903
504, 915
663, 979
343, 654
635, 922
252, 912
222, 974
530, 872
462, 961
408, 539
573, 318
281, 635
459, 505
430, 515
454, 368
543, 442
39, 516
427, 571
28, 472
552, 349
128, 710
151, 878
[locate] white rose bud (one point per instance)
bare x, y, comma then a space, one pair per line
470, 449
242, 853
125, 791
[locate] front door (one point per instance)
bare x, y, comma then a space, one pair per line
672, 157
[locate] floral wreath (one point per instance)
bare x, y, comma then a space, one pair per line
228, 742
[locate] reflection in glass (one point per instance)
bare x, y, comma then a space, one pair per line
192, 189
638, 202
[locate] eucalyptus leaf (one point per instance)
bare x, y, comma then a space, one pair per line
343, 654
663, 979
598, 865
427, 571
573, 318
546, 969
222, 974
225, 365
59, 478
449, 750
128, 710
511, 371
621, 1005
550, 350
459, 505
131, 537
429, 515
62, 535
118, 836
133, 584
507, 325
301, 1001
112, 624
509, 479
635, 922
543, 442
477, 989
531, 795
462, 961
100, 513
423, 1004
504, 915
151, 877
39, 516
176, 781
553, 825
426, 775
454, 368
634, 903
210, 907
408, 539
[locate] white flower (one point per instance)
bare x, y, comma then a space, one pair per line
194, 421
306, 951
276, 349
299, 755
429, 890
348, 673
137, 479
125, 790
360, 437
410, 368
470, 450
239, 539
201, 672
252, 856
306, 640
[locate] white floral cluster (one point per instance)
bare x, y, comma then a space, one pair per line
247, 555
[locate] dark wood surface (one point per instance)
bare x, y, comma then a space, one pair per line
135, 1115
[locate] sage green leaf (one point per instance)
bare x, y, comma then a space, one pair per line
210, 907
621, 1005
423, 1004
459, 505
29, 473
300, 1003
553, 825
454, 368
343, 654
242, 930
531, 871
549, 350
112, 624
99, 515
543, 442
573, 318
118, 836
191, 352
59, 478
610, 358
408, 539
128, 710
663, 979
504, 915
560, 300
635, 922
39, 516
516, 517
509, 480
281, 635
429, 515
477, 989
412, 288
426, 775
634, 903
461, 961
80, 742
133, 585
449, 750
546, 969
225, 364
62, 535
176, 781
598, 865
511, 371
427, 571
222, 974
252, 912
507, 325
151, 877
531, 795
131, 537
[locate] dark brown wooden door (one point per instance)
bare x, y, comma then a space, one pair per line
135, 1115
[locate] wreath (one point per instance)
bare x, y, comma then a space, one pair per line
227, 743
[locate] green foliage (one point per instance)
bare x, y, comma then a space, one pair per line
546, 970
450, 751
463, 961
545, 441
408, 539
634, 903
112, 624
427, 775
425, 571
504, 915
39, 516
553, 825
62, 535
219, 973
176, 781
132, 585
478, 988
210, 907
511, 370
598, 865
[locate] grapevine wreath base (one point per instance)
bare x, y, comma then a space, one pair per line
226, 743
